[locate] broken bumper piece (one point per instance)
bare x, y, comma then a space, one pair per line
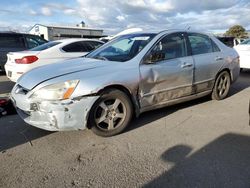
56, 116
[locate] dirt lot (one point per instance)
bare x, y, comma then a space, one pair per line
202, 143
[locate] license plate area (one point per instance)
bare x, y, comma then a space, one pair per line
9, 74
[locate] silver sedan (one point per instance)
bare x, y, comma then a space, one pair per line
129, 75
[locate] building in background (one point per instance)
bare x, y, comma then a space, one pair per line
49, 32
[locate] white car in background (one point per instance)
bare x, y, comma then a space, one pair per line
124, 32
243, 50
55, 51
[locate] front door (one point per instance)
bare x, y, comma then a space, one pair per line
169, 74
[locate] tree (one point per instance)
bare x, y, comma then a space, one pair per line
236, 31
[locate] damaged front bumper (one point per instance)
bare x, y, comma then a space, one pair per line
71, 114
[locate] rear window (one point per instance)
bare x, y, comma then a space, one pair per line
200, 44
45, 46
75, 47
34, 41
11, 41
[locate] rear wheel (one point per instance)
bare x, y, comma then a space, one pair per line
2, 69
221, 86
111, 113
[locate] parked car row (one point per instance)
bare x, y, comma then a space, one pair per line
230, 41
242, 46
19, 63
13, 42
129, 75
243, 50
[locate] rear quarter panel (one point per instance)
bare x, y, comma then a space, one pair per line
231, 60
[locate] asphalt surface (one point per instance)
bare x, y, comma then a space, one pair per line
202, 143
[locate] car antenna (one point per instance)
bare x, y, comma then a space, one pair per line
188, 27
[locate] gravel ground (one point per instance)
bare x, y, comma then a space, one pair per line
202, 143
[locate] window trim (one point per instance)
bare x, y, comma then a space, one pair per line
213, 43
188, 47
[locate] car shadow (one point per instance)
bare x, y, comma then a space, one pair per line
6, 86
14, 132
153, 115
222, 163
242, 83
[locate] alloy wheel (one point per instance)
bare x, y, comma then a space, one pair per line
110, 114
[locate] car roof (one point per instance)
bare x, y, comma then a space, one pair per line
156, 32
12, 33
69, 40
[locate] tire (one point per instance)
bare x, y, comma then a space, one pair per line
221, 86
2, 69
111, 113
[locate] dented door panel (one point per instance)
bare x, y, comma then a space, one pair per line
165, 81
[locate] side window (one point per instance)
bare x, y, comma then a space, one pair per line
87, 46
74, 47
200, 44
172, 46
94, 44
39, 39
11, 41
215, 47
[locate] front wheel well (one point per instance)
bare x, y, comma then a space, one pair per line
127, 92
124, 90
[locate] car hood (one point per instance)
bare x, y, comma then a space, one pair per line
38, 75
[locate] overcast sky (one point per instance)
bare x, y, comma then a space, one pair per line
116, 15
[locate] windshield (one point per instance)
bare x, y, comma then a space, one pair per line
123, 48
246, 41
45, 46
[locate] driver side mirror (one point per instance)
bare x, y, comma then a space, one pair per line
154, 57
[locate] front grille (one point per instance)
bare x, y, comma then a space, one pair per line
21, 90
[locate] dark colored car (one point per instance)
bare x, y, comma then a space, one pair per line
230, 41
13, 42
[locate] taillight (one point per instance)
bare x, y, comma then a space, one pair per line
26, 60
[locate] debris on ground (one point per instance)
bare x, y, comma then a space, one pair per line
6, 107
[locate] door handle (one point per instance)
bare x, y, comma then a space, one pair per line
185, 65
219, 58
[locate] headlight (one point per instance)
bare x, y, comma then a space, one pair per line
58, 91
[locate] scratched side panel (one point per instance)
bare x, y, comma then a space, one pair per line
165, 81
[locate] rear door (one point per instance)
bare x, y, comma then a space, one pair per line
208, 59
171, 77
